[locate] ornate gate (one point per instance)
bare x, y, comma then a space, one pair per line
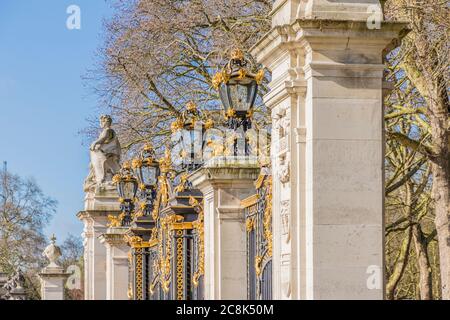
258, 221
170, 264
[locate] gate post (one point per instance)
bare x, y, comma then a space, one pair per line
224, 185
326, 59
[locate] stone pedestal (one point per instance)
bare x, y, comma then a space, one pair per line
53, 279
98, 205
224, 183
327, 147
116, 263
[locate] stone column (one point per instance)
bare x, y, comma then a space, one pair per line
116, 263
224, 183
327, 147
98, 205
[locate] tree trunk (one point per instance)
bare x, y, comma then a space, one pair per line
440, 194
423, 263
439, 117
425, 69
400, 265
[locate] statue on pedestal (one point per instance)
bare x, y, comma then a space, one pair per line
105, 157
13, 288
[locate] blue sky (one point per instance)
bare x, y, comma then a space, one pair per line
43, 103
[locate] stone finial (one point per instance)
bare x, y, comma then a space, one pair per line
52, 252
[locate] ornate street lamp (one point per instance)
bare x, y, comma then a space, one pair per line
187, 126
127, 186
238, 88
146, 168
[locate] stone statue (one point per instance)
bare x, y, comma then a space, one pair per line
52, 252
105, 157
14, 287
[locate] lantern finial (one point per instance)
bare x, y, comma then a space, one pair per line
237, 54
148, 147
126, 165
191, 106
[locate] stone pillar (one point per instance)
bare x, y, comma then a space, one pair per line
116, 263
327, 147
52, 283
224, 183
98, 205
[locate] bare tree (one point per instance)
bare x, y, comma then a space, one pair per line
425, 61
160, 54
24, 211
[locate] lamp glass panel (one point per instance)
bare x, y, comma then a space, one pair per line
239, 97
224, 96
129, 189
149, 175
120, 190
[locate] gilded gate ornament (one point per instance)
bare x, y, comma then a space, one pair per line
199, 226
168, 245
115, 221
258, 214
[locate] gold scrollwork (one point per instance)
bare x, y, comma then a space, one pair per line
249, 224
217, 80
258, 261
259, 77
267, 218
165, 251
199, 226
230, 113
130, 292
115, 221
183, 185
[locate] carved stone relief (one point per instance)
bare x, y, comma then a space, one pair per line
282, 127
283, 170
286, 275
285, 221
